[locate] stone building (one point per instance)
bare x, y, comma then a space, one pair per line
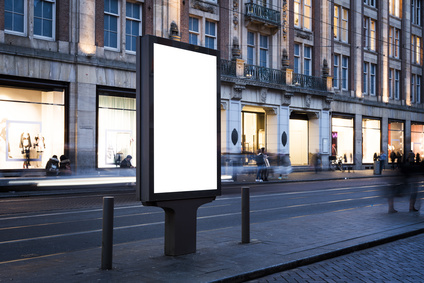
338, 77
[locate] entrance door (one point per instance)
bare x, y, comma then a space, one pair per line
253, 126
298, 139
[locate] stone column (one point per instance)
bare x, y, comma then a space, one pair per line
234, 127
283, 127
358, 141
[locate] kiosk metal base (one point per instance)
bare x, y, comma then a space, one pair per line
181, 224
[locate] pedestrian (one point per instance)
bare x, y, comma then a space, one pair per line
404, 185
411, 157
267, 167
260, 162
65, 166
317, 160
399, 160
126, 162
383, 158
52, 166
286, 167
393, 159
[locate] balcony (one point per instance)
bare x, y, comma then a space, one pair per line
310, 82
260, 15
264, 75
260, 74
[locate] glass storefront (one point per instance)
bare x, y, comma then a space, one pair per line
299, 141
396, 138
342, 132
31, 127
417, 139
371, 139
116, 131
253, 126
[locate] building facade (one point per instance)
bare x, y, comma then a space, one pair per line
338, 77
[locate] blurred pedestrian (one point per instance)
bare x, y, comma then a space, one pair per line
399, 160
65, 166
402, 186
286, 168
317, 161
383, 158
260, 162
126, 162
267, 167
393, 159
52, 166
411, 157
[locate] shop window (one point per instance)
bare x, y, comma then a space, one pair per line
417, 139
116, 129
396, 138
371, 139
253, 136
342, 132
32, 127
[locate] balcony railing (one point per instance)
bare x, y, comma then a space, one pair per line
272, 76
309, 82
263, 14
266, 75
228, 68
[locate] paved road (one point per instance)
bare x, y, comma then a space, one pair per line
400, 261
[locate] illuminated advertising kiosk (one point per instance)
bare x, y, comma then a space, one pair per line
178, 134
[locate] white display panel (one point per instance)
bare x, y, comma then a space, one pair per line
185, 120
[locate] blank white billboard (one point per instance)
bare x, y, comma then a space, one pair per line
185, 120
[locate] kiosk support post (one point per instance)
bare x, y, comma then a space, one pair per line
180, 224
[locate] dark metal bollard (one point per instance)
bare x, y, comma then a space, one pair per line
245, 215
107, 234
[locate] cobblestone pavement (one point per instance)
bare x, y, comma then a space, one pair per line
400, 261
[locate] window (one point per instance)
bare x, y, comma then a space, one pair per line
14, 16
336, 71
43, 18
210, 35
394, 39
111, 24
371, 139
341, 23
370, 34
342, 133
263, 51
133, 25
194, 31
394, 84
412, 97
395, 8
371, 3
416, 12
369, 79
252, 49
202, 36
373, 81
303, 59
365, 79
303, 14
345, 72
418, 88
341, 75
416, 49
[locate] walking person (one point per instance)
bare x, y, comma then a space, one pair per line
260, 162
393, 159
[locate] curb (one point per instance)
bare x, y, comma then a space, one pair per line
256, 274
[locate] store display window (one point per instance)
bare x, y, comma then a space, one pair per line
342, 132
116, 130
417, 139
371, 139
396, 138
32, 127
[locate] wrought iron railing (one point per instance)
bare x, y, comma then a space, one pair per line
228, 68
309, 82
262, 74
263, 13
